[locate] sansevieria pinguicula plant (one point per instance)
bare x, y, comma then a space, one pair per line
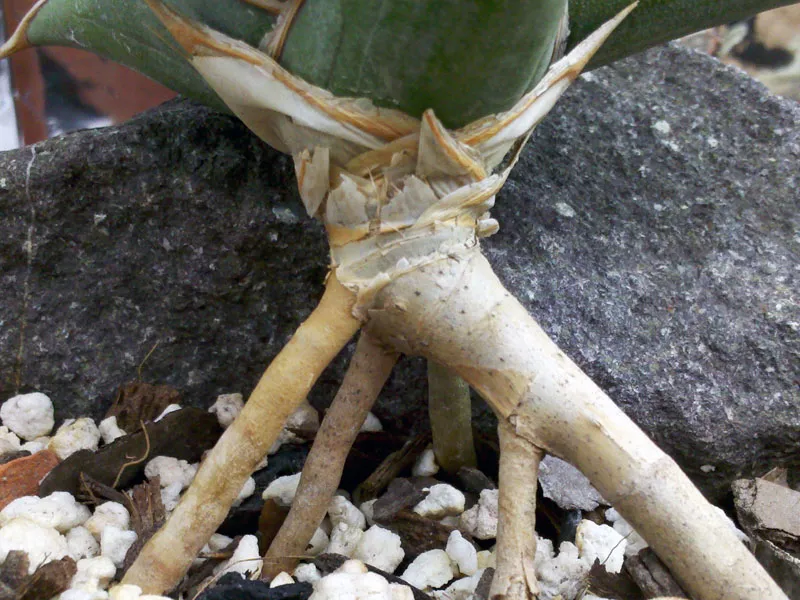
404, 119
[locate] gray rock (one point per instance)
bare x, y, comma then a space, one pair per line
651, 226
567, 486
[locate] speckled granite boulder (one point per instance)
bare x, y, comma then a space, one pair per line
651, 226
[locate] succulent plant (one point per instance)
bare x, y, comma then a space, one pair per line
404, 119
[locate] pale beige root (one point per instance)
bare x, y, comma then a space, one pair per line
369, 369
515, 576
450, 411
458, 313
286, 382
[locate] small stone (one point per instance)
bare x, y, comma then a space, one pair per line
59, 510
115, 543
344, 540
28, 415
108, 513
431, 569
81, 543
246, 559
380, 548
426, 465
9, 442
280, 579
462, 553
74, 435
307, 573
480, 521
109, 430
341, 510
371, 423
227, 407
21, 477
442, 501
601, 543
282, 490
567, 486
41, 544
247, 490
170, 470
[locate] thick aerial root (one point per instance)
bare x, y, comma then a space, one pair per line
450, 412
515, 577
369, 369
458, 313
167, 556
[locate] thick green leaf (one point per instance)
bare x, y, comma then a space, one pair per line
128, 32
463, 58
656, 21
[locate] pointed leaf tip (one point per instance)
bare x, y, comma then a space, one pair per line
19, 39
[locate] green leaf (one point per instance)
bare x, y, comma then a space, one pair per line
127, 31
656, 21
463, 58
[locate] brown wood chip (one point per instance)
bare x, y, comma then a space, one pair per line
652, 576
184, 434
390, 468
137, 401
49, 580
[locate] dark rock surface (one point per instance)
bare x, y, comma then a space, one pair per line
651, 226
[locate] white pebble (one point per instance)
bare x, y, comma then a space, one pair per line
9, 442
93, 573
171, 495
115, 543
398, 591
282, 490
59, 510
307, 573
41, 544
282, 578
463, 553
443, 500
246, 559
380, 548
341, 510
28, 415
431, 569
109, 430
81, 543
319, 542
247, 490
601, 543
564, 574
170, 409
350, 583
219, 542
75, 435
170, 470
76, 594
371, 423
34, 446
460, 589
367, 509
108, 513
426, 465
480, 521
635, 542
227, 407
344, 540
